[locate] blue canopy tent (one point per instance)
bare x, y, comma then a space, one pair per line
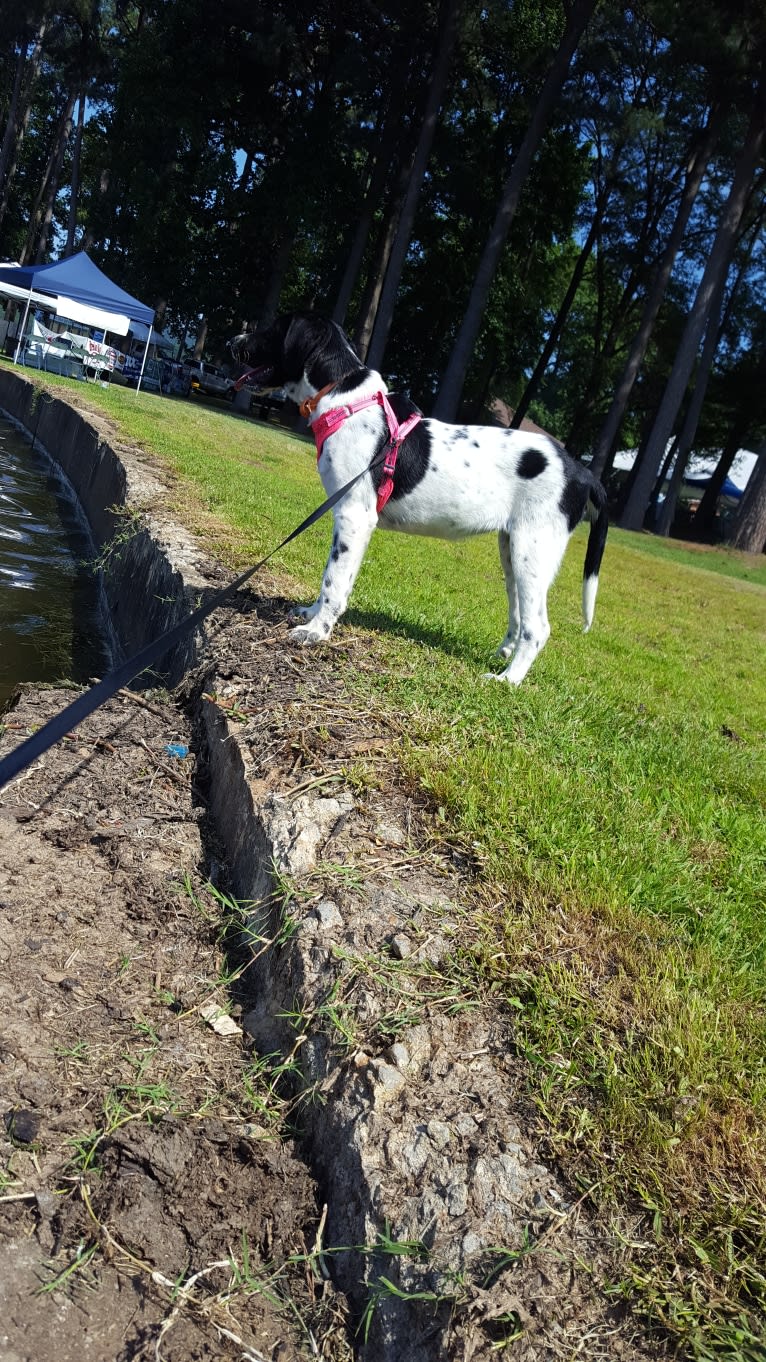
78, 282
729, 488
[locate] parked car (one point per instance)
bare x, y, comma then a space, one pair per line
209, 378
264, 403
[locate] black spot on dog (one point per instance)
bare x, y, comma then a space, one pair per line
342, 548
475, 444
466, 463
531, 464
574, 497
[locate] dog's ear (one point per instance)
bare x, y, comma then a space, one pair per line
306, 337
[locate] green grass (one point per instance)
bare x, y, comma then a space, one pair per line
616, 805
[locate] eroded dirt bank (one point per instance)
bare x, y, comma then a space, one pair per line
351, 1170
131, 1156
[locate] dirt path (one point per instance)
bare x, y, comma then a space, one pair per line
134, 1150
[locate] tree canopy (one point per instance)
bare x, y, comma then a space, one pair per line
223, 163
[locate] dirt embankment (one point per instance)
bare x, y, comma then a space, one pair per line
260, 1119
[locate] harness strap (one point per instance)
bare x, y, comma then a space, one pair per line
326, 425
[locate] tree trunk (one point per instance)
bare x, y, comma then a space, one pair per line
74, 190
49, 203
46, 194
448, 25
201, 339
635, 506
390, 133
448, 397
662, 477
716, 330
530, 392
103, 189
602, 353
9, 137
374, 286
749, 532
607, 438
704, 517
16, 125
691, 420
270, 305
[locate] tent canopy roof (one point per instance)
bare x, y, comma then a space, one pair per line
77, 277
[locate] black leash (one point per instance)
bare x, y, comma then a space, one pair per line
85, 704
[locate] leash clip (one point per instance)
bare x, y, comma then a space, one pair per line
392, 453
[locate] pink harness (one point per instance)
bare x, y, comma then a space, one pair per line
326, 425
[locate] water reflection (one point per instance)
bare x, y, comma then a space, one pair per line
49, 621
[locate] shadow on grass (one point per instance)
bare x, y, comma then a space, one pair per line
429, 635
275, 611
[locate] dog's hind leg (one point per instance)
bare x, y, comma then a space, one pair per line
352, 532
508, 644
536, 551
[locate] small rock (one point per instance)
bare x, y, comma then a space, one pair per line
412, 1155
22, 1125
401, 946
439, 1133
466, 1126
47, 1203
219, 1021
457, 1198
400, 1056
434, 949
418, 1042
391, 833
328, 915
388, 1081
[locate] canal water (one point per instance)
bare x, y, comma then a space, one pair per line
50, 628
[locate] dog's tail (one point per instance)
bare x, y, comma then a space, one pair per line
597, 513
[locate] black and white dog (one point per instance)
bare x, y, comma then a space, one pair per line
449, 482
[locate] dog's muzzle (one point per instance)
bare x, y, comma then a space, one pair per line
259, 375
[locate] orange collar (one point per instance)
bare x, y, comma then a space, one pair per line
309, 404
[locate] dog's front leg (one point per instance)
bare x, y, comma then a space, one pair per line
352, 531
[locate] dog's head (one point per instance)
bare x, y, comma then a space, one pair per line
297, 347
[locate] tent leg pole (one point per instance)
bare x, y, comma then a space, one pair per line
143, 361
23, 329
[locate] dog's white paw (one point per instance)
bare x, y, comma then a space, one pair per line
308, 635
499, 676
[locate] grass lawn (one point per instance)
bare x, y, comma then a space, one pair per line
615, 803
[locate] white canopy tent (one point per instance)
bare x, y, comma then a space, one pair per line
73, 311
